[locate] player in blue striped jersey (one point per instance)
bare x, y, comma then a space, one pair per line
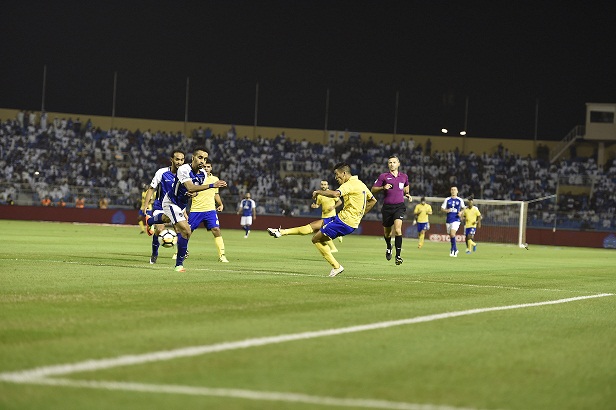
160, 185
453, 206
188, 181
248, 211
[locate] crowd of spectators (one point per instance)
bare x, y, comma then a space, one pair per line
64, 160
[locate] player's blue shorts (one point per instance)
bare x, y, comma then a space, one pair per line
328, 220
209, 219
469, 231
336, 228
423, 226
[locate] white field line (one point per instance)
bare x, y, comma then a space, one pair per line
308, 275
242, 394
26, 376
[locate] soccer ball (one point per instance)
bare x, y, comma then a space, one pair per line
168, 238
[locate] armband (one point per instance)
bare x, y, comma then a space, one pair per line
211, 185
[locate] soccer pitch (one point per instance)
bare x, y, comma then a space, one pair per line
87, 322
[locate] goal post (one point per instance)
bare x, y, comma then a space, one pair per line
502, 221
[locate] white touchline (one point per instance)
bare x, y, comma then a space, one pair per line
243, 394
26, 376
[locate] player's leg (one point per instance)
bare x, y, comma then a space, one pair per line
155, 229
472, 242
141, 221
178, 218
399, 215
388, 222
212, 223
220, 245
246, 223
330, 243
467, 239
157, 218
421, 233
298, 230
183, 229
319, 240
331, 246
452, 235
387, 237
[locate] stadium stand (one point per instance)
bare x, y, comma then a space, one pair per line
63, 161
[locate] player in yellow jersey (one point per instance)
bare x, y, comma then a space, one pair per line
204, 208
422, 220
328, 211
357, 200
148, 207
472, 221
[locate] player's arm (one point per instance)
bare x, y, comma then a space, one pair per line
254, 212
192, 187
370, 204
315, 203
147, 199
328, 193
219, 204
479, 221
407, 193
380, 185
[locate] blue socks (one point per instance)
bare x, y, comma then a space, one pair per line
182, 248
155, 245
158, 219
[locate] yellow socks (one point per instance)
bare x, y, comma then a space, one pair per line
142, 226
421, 239
300, 230
220, 245
331, 245
327, 255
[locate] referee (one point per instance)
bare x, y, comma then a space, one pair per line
395, 187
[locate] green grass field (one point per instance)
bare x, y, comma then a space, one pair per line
87, 322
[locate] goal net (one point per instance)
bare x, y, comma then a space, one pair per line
501, 221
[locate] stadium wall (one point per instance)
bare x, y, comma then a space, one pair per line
534, 236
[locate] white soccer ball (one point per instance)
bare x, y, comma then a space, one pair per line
168, 238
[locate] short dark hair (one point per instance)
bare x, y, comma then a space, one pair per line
423, 198
208, 161
177, 151
343, 166
200, 149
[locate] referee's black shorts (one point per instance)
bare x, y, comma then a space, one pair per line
391, 212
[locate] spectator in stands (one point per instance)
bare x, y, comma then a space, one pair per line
80, 202
103, 203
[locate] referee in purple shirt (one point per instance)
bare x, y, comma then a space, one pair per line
395, 187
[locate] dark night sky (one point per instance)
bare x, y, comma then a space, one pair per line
502, 55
